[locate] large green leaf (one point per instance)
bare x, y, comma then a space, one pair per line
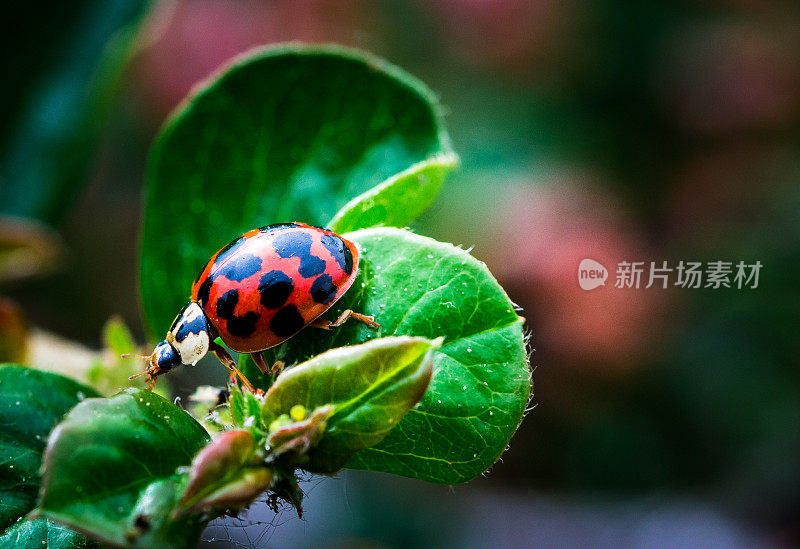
110, 470
282, 134
416, 286
31, 404
370, 386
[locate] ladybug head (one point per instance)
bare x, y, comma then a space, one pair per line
187, 342
163, 359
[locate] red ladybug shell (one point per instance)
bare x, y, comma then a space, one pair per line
271, 282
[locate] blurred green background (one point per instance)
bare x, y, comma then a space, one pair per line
618, 131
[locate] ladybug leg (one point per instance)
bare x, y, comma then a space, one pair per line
258, 358
223, 356
276, 368
368, 320
349, 313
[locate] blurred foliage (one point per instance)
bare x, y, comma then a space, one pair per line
112, 372
27, 249
13, 333
65, 106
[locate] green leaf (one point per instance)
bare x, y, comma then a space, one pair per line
397, 201
110, 470
31, 404
282, 134
237, 406
41, 533
370, 386
416, 286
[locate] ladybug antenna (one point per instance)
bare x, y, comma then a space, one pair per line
141, 373
128, 355
143, 357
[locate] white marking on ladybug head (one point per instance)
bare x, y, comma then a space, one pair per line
189, 334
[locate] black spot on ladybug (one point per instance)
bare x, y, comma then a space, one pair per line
323, 290
287, 321
298, 244
226, 303
239, 268
229, 249
275, 288
277, 227
243, 326
311, 266
340, 253
204, 290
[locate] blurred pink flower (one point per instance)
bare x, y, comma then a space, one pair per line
545, 234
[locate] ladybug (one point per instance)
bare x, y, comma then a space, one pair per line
257, 292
